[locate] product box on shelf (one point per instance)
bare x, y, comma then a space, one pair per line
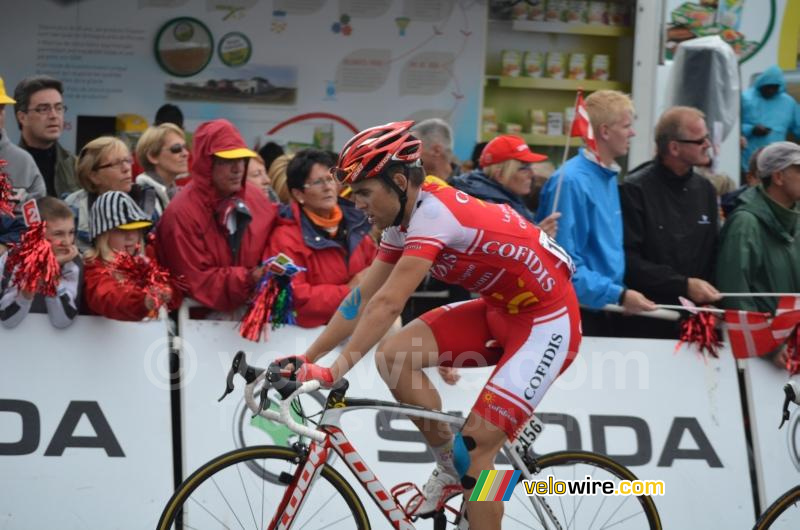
555, 65
554, 12
538, 121
555, 123
510, 61
600, 67
597, 12
533, 64
577, 11
577, 66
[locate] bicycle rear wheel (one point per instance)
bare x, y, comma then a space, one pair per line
576, 512
783, 513
227, 493
584, 511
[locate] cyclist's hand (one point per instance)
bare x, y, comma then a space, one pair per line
288, 363
311, 371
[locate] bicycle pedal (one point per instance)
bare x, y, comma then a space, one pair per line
412, 504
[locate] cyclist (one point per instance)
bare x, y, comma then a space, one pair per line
526, 321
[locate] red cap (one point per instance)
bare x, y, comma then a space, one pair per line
507, 147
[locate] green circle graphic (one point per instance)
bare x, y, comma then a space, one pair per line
234, 49
183, 46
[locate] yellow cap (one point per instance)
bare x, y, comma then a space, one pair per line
5, 98
241, 152
135, 225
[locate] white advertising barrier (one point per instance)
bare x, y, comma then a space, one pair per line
671, 417
776, 452
85, 429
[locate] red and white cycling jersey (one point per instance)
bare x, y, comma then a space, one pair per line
486, 248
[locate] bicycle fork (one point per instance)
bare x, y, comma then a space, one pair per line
301, 483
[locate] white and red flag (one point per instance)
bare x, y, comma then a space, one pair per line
749, 333
582, 126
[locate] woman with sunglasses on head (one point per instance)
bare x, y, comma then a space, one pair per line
327, 235
163, 154
104, 164
505, 176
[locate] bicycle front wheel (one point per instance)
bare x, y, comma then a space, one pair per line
227, 492
580, 511
783, 513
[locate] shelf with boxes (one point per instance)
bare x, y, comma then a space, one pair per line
546, 83
571, 28
541, 52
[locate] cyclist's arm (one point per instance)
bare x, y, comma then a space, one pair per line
381, 311
349, 312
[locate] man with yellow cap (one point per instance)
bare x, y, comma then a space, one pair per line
215, 232
19, 165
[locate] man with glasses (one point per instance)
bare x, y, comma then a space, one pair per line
39, 110
670, 220
216, 231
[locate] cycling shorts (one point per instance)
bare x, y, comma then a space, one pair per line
528, 350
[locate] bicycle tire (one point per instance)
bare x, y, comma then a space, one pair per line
777, 508
281, 456
546, 464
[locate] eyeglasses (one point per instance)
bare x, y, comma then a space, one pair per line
320, 182
699, 141
44, 110
177, 148
120, 164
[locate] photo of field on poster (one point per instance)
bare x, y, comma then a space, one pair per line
250, 84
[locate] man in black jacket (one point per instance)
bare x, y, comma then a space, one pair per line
670, 221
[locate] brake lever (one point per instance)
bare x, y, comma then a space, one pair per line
789, 396
237, 362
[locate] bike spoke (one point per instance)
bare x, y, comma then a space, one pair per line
224, 498
246, 496
208, 512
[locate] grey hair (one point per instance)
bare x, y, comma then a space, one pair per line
434, 131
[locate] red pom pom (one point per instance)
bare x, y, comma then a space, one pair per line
35, 267
6, 191
254, 323
701, 330
144, 274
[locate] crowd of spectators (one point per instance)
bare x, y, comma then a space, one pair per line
218, 209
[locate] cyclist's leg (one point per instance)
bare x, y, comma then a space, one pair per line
446, 335
538, 347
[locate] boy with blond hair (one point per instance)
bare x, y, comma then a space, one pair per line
590, 227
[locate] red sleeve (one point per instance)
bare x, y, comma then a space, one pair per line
108, 297
220, 288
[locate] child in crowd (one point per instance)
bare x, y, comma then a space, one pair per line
62, 308
117, 226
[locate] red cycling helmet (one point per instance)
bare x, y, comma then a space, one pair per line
369, 151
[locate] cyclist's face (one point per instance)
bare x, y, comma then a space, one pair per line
374, 199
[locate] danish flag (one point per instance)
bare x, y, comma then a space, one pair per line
582, 126
749, 333
787, 317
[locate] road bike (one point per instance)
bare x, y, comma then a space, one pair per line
784, 512
310, 493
